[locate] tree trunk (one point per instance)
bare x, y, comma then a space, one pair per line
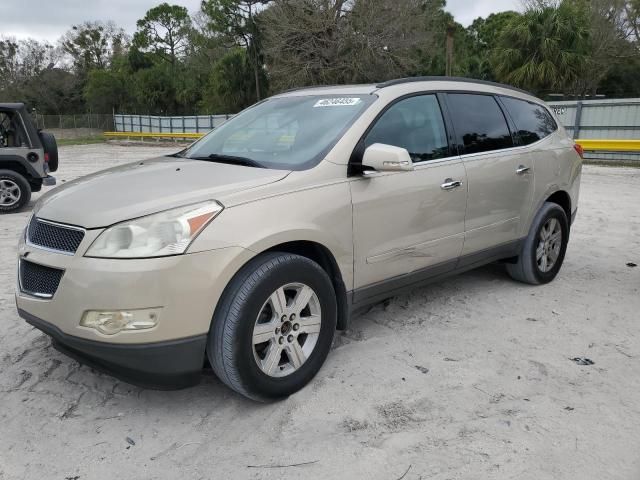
256, 73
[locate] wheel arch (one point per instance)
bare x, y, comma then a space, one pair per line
562, 198
15, 166
322, 256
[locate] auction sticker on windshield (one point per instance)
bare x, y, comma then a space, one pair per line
337, 102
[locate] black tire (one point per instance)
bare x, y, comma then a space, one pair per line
527, 269
50, 147
35, 184
24, 191
230, 346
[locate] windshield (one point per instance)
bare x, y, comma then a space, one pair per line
291, 133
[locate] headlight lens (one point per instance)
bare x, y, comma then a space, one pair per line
158, 235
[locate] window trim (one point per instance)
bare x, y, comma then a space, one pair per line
544, 107
355, 160
460, 143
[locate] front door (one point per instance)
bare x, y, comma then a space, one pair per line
408, 222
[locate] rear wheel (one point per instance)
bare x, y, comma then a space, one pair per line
15, 192
50, 147
273, 327
544, 248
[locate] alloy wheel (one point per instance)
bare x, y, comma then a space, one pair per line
549, 245
287, 329
10, 193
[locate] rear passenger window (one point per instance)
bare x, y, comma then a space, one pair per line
479, 123
416, 124
533, 122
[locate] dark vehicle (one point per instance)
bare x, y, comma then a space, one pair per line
26, 157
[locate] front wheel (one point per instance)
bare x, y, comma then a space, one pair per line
544, 248
273, 327
15, 191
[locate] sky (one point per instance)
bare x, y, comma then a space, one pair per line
49, 19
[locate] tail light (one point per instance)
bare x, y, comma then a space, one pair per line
46, 157
579, 150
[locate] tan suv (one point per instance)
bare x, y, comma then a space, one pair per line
254, 244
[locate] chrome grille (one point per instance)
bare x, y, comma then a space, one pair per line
53, 236
38, 280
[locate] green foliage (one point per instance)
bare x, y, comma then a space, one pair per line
91, 44
106, 90
546, 49
484, 34
233, 52
154, 90
164, 31
622, 79
236, 21
230, 87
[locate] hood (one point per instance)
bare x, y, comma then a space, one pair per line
151, 186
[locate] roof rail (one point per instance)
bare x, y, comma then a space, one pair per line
308, 87
400, 81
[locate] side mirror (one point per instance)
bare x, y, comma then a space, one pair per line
387, 158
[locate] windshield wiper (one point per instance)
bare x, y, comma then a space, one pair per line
231, 159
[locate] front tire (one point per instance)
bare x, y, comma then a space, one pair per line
544, 248
15, 191
273, 327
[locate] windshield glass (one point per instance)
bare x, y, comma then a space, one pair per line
291, 133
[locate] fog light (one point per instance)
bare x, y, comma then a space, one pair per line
112, 322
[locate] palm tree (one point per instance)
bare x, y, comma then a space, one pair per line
544, 49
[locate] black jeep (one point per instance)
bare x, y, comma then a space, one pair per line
26, 157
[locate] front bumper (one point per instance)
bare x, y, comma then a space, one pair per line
162, 365
185, 288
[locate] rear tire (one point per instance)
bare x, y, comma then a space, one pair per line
273, 327
15, 191
544, 248
50, 147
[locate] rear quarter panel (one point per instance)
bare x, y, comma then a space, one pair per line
557, 167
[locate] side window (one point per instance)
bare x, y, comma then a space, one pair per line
533, 121
12, 133
479, 123
416, 124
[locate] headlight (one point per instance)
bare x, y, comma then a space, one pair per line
161, 234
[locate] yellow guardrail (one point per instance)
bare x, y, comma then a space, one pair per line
609, 145
157, 135
588, 144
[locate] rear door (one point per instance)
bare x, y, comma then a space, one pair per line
500, 176
408, 222
534, 126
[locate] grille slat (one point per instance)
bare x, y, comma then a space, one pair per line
55, 237
39, 280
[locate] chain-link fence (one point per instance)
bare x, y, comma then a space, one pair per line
84, 125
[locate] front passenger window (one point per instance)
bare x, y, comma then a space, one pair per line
416, 124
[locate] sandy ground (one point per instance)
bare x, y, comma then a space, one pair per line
470, 378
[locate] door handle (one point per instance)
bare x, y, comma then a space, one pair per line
522, 170
450, 184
